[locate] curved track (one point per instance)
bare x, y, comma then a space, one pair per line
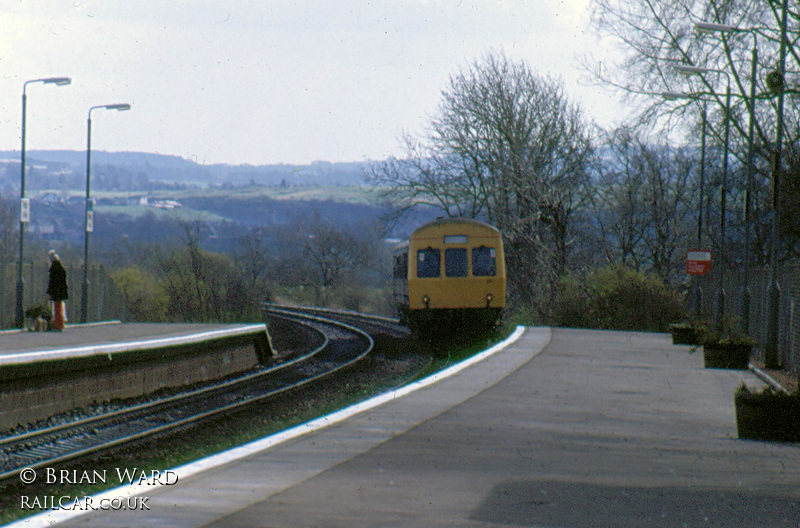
342, 346
373, 324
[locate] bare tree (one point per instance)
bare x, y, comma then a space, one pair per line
253, 258
9, 238
655, 38
644, 203
8, 229
618, 201
508, 146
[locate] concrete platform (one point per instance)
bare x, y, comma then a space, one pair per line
564, 429
46, 373
108, 337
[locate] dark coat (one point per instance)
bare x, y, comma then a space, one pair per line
57, 285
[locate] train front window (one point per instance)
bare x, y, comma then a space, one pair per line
455, 262
484, 262
428, 263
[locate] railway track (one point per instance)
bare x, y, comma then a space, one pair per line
342, 345
373, 324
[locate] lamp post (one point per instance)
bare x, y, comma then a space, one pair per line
698, 287
696, 70
711, 27
24, 216
771, 345
89, 219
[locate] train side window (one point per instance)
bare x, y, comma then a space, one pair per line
401, 266
455, 262
484, 262
428, 263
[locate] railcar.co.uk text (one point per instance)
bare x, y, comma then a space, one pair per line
121, 476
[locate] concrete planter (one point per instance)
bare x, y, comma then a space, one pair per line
768, 416
726, 355
686, 335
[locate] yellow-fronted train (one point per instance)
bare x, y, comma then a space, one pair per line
450, 277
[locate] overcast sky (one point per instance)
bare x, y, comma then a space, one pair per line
266, 81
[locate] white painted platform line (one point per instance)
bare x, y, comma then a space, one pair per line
131, 346
52, 518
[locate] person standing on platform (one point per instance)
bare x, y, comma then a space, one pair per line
57, 291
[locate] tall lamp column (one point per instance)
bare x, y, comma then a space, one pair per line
24, 215
671, 96
775, 81
712, 27
695, 70
89, 219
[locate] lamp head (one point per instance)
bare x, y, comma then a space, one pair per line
671, 96
686, 69
58, 81
713, 27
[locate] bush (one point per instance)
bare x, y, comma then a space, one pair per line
145, 298
618, 298
572, 304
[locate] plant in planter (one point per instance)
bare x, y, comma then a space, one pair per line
727, 349
768, 414
688, 333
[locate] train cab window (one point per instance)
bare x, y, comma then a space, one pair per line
484, 262
401, 266
428, 263
455, 262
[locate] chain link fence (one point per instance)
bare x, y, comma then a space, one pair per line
757, 280
105, 301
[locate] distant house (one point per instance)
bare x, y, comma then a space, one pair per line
167, 204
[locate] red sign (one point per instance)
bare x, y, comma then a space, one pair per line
698, 262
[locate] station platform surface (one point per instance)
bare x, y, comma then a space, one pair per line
560, 428
93, 336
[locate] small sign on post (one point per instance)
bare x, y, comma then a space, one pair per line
25, 210
698, 262
89, 215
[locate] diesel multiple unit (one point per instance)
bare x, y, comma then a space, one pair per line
450, 273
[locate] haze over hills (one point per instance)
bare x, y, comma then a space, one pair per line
142, 194
154, 167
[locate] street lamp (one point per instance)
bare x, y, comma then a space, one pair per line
24, 216
89, 218
711, 27
671, 96
771, 346
696, 70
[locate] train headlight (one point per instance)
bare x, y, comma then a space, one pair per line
426, 300
489, 299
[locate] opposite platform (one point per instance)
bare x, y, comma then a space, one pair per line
581, 429
112, 335
43, 374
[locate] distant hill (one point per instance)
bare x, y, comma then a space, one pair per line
176, 170
141, 195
